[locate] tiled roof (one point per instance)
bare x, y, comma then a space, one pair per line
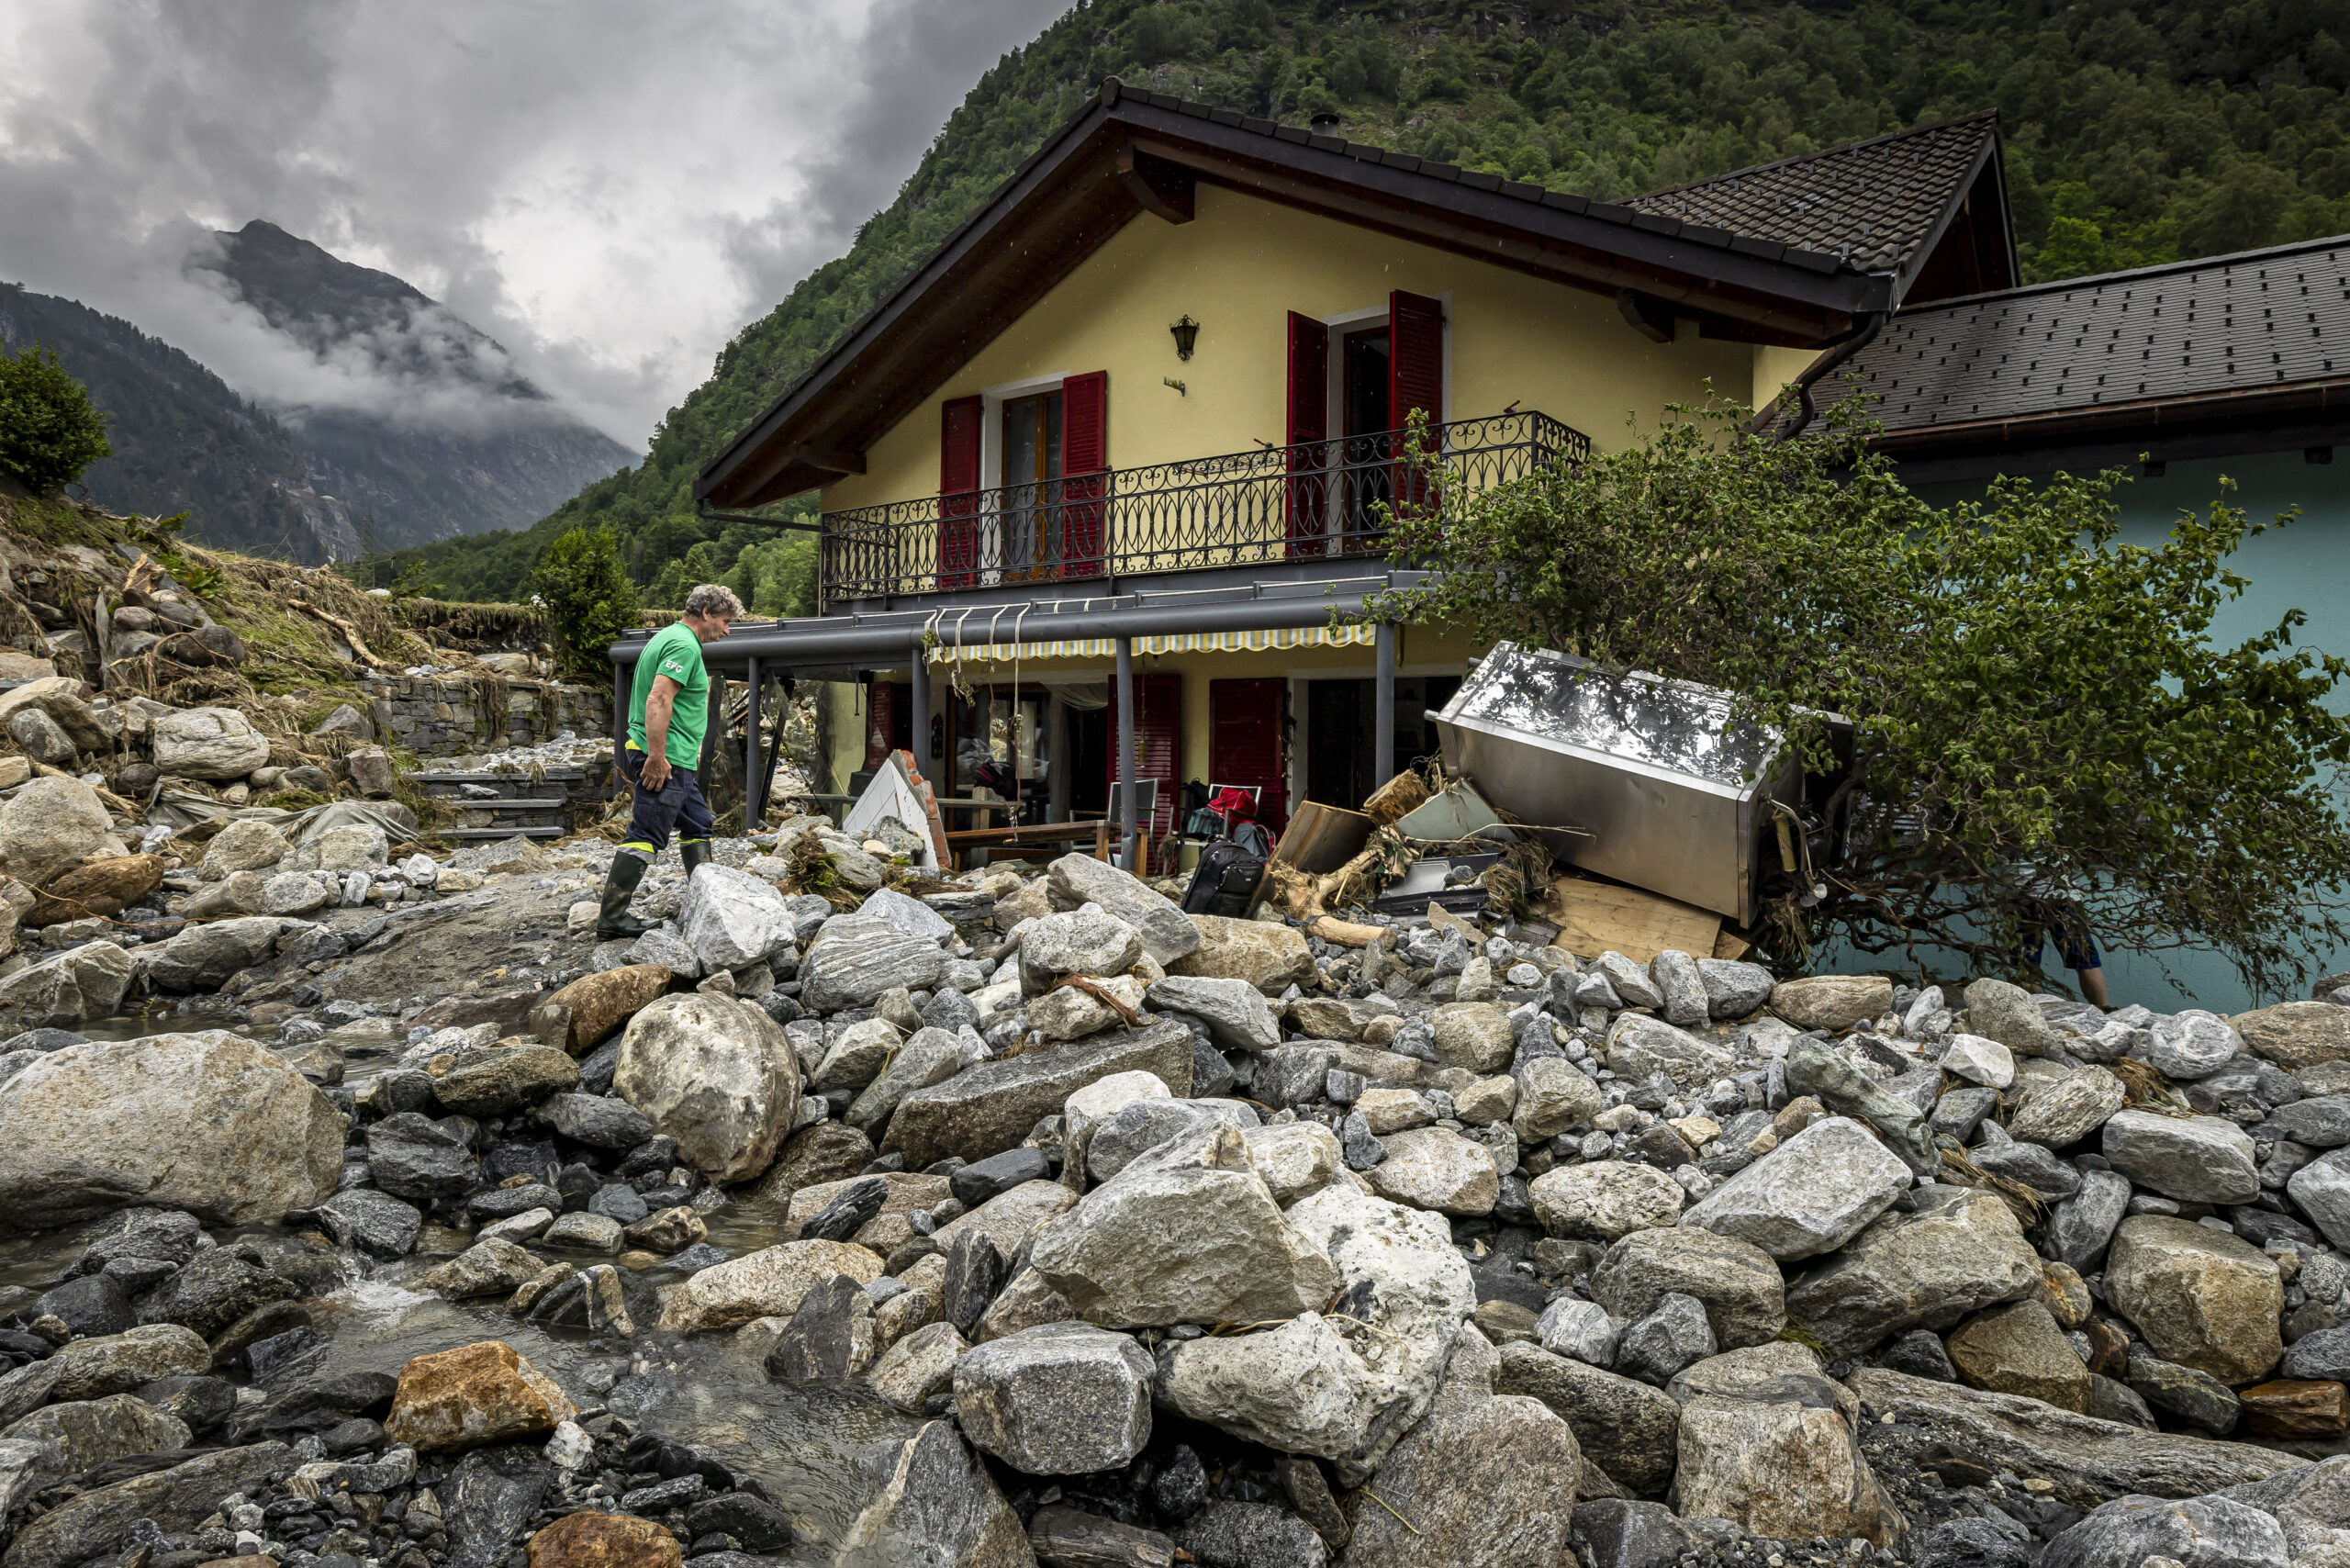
2230, 324
1872, 203
1692, 226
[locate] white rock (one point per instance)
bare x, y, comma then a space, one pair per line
2191, 1044
1605, 1199
208, 743
1578, 1328
733, 920
1980, 1060
50, 824
1809, 1195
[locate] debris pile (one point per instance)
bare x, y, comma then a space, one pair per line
862, 1214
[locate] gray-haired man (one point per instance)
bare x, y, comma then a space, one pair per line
669, 711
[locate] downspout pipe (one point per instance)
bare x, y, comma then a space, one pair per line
1818, 371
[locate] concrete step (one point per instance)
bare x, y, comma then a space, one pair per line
534, 831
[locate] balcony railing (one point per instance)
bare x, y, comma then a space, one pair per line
1281, 503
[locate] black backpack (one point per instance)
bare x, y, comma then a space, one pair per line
1225, 881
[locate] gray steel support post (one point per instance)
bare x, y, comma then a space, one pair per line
1383, 754
1056, 755
920, 728
753, 776
1131, 831
623, 676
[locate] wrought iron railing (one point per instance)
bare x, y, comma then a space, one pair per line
1319, 499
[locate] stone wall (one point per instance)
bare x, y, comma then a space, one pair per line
433, 717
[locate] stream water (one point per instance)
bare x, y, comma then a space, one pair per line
815, 1449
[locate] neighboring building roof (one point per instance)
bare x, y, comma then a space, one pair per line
1129, 152
1878, 205
2249, 335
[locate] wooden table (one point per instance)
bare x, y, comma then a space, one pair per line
1021, 837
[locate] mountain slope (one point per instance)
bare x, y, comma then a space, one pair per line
182, 439
2133, 135
453, 439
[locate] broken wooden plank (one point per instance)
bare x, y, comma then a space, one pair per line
1596, 917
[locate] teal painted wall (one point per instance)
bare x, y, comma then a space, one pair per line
2305, 565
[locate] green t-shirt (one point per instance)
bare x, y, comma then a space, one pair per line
675, 652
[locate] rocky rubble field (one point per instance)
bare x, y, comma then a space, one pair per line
1026, 1219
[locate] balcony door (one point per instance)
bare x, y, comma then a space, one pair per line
1365, 378
1033, 460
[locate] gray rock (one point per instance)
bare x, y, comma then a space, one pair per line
2199, 1532
733, 920
208, 743
990, 1108
1237, 1013
1672, 1334
935, 1505
1961, 1252
2191, 1044
932, 1056
2008, 1014
909, 916
411, 1156
376, 1223
1144, 1125
1078, 941
1737, 1280
2063, 1113
716, 1074
839, 972
1733, 989
669, 950
2320, 1189
1638, 1046
2081, 1227
491, 1266
1166, 932
1058, 1399
1577, 1329
1810, 1195
1627, 1428
177, 1500
1622, 1533
831, 1337
2319, 1122
2197, 1159
1251, 1534
1676, 975
202, 957
2050, 1180
1554, 1095
1190, 1235
600, 1121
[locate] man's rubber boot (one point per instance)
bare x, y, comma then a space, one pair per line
620, 889
691, 854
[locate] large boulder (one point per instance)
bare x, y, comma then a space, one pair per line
50, 824
1058, 1399
1605, 1199
1237, 1013
1627, 1428
1744, 1297
208, 743
1809, 1195
2199, 1532
1078, 941
88, 981
1833, 1002
202, 957
477, 1394
987, 1109
2019, 1348
770, 1283
1187, 1234
493, 1082
841, 973
1483, 1478
2197, 1159
733, 920
592, 1006
1167, 933
2293, 1034
1474, 1035
2202, 1298
1640, 1044
83, 1434
175, 1499
1787, 1469
716, 1074
937, 1506
247, 845
1268, 955
211, 1123
1960, 1252
1999, 1011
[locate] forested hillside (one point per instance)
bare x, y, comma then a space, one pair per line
2133, 134
182, 439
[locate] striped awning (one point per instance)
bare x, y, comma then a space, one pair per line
1180, 642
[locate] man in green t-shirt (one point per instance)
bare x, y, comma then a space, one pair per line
669, 711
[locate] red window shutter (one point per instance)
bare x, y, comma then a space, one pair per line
881, 721
1159, 742
1245, 742
958, 493
1309, 426
1415, 380
1085, 485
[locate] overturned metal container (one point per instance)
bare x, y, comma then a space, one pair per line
1666, 794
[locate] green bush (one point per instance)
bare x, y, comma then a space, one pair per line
584, 584
2043, 717
49, 432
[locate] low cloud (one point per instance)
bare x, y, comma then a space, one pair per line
610, 191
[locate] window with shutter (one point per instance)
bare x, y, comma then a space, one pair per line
1158, 741
1415, 372
958, 493
1085, 485
1309, 426
1245, 742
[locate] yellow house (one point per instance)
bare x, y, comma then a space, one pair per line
1097, 476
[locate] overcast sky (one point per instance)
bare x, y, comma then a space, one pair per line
609, 187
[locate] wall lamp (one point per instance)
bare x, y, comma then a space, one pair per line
1187, 333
